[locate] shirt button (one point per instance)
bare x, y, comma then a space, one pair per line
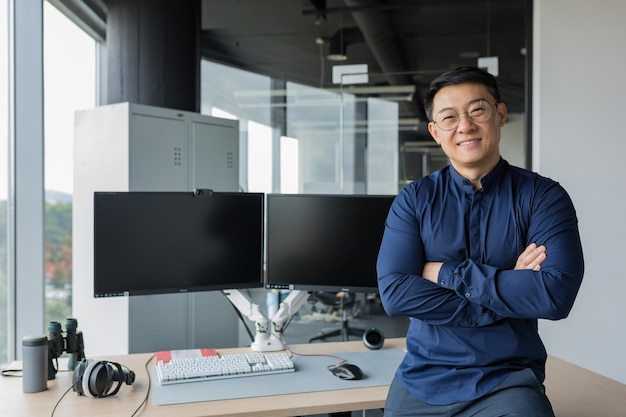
467, 295
442, 282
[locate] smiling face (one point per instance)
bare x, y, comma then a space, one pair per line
472, 147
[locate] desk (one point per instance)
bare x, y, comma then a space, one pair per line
574, 392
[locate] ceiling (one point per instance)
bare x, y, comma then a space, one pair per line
404, 43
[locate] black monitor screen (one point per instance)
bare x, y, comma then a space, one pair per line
324, 242
171, 242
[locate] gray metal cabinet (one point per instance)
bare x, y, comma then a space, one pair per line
131, 147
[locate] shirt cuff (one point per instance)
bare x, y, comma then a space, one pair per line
446, 273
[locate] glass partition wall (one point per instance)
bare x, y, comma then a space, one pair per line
329, 94
321, 141
339, 100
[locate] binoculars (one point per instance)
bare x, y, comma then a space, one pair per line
70, 341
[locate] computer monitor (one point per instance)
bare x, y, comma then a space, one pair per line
324, 242
177, 242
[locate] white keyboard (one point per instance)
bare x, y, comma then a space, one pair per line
237, 365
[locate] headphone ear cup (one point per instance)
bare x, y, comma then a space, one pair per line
77, 378
84, 379
88, 376
99, 379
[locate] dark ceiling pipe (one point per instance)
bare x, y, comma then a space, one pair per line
379, 35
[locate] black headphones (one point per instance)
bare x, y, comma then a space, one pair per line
95, 378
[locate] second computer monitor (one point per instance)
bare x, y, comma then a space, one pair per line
324, 242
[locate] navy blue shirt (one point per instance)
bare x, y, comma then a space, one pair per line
479, 322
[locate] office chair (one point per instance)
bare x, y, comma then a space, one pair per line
340, 300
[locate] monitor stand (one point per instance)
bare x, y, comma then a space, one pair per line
268, 332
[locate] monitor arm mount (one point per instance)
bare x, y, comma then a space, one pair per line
266, 337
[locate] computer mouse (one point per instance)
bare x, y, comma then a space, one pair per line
346, 370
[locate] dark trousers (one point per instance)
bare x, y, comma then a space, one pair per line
519, 395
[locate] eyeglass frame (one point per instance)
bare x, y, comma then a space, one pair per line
466, 113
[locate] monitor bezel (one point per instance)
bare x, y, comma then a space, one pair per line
100, 291
271, 283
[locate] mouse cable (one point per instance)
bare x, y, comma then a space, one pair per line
327, 355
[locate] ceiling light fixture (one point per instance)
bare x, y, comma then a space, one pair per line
336, 51
338, 43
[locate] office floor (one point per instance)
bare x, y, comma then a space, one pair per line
316, 317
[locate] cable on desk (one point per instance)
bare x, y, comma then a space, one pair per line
145, 400
12, 372
143, 403
63, 396
288, 349
18, 372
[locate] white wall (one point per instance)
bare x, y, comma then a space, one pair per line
512, 145
579, 122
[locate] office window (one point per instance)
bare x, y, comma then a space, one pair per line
4, 175
69, 85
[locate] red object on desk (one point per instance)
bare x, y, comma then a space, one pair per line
167, 355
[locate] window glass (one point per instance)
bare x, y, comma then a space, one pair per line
347, 83
69, 85
289, 166
4, 182
382, 146
324, 124
232, 93
259, 158
303, 139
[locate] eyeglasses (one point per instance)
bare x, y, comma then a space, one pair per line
478, 111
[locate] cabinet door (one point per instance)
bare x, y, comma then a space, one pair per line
215, 155
158, 153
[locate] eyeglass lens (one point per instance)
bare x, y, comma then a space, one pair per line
478, 111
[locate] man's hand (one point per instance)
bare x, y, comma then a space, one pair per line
532, 257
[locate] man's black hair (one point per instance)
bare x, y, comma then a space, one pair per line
459, 76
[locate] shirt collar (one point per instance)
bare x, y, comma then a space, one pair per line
487, 181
